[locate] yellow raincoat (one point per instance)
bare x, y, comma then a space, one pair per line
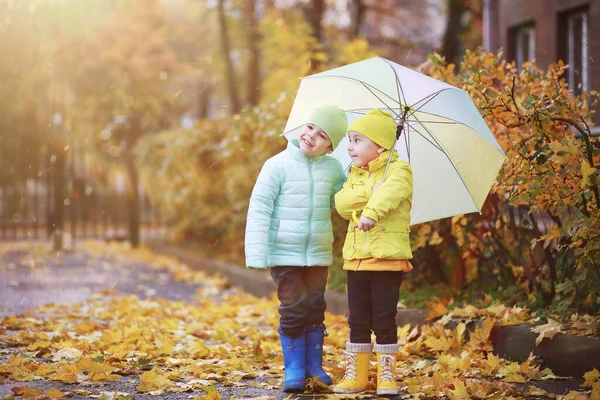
386, 247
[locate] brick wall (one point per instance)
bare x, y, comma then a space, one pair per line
507, 14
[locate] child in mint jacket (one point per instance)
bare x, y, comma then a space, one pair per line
289, 231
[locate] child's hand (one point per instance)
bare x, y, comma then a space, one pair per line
365, 224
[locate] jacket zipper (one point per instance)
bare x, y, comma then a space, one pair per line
310, 207
366, 235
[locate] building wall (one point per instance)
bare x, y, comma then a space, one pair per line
508, 14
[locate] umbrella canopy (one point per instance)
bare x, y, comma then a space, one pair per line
453, 154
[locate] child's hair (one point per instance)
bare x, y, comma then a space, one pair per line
333, 121
377, 125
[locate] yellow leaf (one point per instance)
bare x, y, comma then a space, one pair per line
67, 373
591, 377
460, 331
586, 172
212, 393
437, 344
595, 395
557, 147
557, 159
437, 310
574, 395
26, 392
548, 330
55, 394
21, 374
514, 378
459, 389
154, 380
566, 146
414, 385
491, 363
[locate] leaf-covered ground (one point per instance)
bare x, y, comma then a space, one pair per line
109, 322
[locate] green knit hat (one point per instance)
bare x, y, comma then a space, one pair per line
332, 120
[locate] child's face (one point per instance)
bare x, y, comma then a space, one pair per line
362, 150
313, 141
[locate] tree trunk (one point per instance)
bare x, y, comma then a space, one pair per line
234, 100
451, 45
133, 200
203, 99
314, 16
253, 66
357, 15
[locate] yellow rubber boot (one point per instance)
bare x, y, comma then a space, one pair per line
356, 378
386, 369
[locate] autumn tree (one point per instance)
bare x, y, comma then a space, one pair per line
128, 89
463, 28
539, 229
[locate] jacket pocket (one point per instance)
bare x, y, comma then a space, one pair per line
390, 244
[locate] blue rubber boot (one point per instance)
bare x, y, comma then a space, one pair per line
294, 360
315, 334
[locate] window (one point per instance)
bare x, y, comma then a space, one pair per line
523, 43
573, 33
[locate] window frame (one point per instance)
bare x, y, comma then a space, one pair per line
518, 35
567, 24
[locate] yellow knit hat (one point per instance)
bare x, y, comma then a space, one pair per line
377, 125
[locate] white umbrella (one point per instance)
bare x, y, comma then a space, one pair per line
453, 154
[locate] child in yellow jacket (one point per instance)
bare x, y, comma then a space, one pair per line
376, 251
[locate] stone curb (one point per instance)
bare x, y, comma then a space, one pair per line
566, 355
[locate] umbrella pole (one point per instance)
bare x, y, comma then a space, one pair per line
399, 129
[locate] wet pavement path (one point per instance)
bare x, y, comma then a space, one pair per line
37, 276
33, 276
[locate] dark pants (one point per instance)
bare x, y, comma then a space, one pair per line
372, 301
301, 293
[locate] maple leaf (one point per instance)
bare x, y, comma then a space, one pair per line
491, 363
548, 330
437, 310
26, 392
69, 354
595, 395
315, 385
116, 395
587, 171
580, 325
574, 395
460, 390
55, 394
591, 377
514, 378
437, 344
153, 380
67, 373
479, 337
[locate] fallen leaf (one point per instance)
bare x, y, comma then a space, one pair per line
548, 330
591, 377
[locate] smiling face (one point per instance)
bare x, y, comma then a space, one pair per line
362, 150
313, 141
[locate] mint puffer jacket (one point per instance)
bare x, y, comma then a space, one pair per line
289, 216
